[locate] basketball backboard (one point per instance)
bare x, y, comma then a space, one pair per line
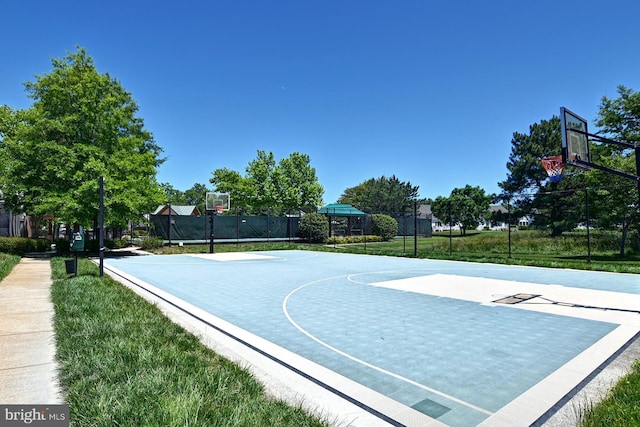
575, 141
217, 202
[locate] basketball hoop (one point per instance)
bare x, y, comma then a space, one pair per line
554, 167
217, 202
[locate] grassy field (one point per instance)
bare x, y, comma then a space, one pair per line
527, 248
621, 408
123, 363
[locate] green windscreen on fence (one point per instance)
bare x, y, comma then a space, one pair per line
246, 227
225, 227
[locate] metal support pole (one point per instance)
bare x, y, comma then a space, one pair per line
586, 203
169, 228
364, 230
509, 226
404, 234
415, 229
101, 229
450, 236
211, 233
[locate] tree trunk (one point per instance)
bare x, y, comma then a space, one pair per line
556, 231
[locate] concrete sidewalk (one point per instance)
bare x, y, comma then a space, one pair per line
28, 370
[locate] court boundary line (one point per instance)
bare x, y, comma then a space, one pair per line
365, 363
581, 385
263, 353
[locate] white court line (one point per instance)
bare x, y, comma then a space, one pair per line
232, 256
364, 363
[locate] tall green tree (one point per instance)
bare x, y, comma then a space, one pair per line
239, 188
298, 184
82, 125
283, 186
195, 196
466, 207
616, 203
388, 196
557, 205
263, 176
173, 195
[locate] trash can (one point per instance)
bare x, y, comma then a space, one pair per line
70, 265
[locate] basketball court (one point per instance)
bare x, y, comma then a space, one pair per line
372, 340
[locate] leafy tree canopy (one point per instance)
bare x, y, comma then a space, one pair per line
620, 117
82, 125
285, 186
466, 207
616, 201
173, 195
382, 195
194, 196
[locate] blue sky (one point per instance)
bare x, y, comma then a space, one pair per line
428, 91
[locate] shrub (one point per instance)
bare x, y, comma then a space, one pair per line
353, 239
384, 226
121, 243
151, 243
314, 227
62, 246
21, 245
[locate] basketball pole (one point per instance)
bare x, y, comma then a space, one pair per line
211, 233
101, 227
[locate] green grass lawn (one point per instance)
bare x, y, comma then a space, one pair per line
621, 408
530, 248
123, 363
7, 262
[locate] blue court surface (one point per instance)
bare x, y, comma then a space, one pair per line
456, 344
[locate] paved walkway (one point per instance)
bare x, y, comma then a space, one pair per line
28, 370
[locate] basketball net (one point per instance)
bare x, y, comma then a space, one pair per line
554, 167
219, 209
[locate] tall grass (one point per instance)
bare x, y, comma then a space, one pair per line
531, 248
620, 408
123, 363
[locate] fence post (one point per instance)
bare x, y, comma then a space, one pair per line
586, 202
509, 220
415, 229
